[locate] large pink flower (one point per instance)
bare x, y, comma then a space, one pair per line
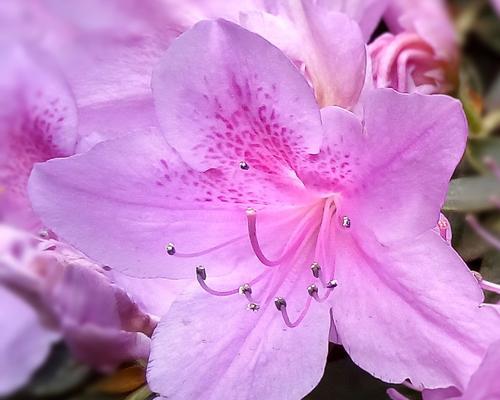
280, 203
421, 52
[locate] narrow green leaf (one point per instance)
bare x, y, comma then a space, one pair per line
472, 194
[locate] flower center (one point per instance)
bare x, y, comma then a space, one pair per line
313, 227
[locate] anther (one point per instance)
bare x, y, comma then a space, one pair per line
346, 221
44, 234
312, 290
245, 289
170, 249
251, 211
332, 284
315, 268
253, 307
201, 272
244, 165
280, 303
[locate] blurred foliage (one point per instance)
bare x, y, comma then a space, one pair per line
474, 189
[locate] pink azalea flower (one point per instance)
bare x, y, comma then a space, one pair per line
315, 220
420, 53
50, 290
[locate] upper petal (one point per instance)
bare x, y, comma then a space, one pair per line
224, 95
406, 156
367, 13
326, 44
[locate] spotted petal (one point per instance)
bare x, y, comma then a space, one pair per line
37, 122
124, 200
224, 95
391, 171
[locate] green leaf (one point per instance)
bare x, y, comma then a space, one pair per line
472, 194
482, 148
470, 246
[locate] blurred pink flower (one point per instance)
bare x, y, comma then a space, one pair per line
25, 341
322, 38
496, 5
102, 44
420, 53
37, 123
51, 290
260, 187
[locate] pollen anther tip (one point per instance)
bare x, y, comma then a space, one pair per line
245, 289
312, 290
253, 307
332, 284
315, 268
251, 211
280, 303
170, 249
201, 272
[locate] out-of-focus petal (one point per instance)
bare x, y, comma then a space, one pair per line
37, 123
25, 341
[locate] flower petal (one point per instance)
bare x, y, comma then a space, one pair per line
37, 122
327, 44
224, 95
484, 384
124, 200
410, 148
367, 13
410, 312
222, 349
25, 341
